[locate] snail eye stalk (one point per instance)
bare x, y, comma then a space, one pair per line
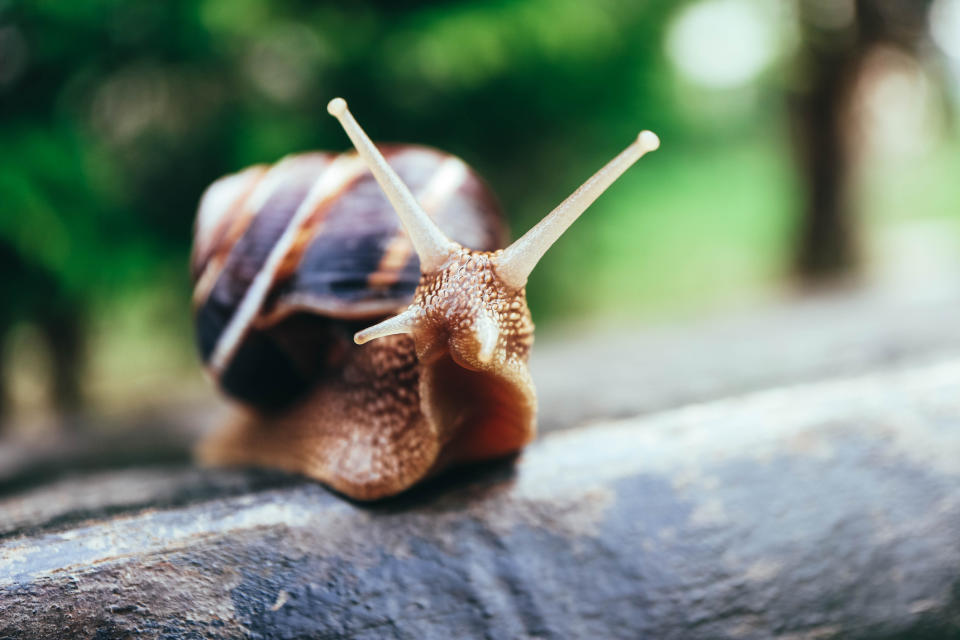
518, 260
431, 244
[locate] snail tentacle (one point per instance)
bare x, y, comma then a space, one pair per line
430, 243
404, 322
518, 260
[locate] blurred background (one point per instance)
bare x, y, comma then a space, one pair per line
806, 143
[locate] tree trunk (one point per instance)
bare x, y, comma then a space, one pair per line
829, 61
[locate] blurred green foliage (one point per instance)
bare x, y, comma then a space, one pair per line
116, 114
119, 113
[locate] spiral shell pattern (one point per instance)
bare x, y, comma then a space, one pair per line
311, 244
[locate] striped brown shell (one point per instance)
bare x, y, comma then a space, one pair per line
290, 259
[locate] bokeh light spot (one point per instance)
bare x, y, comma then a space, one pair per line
945, 26
721, 43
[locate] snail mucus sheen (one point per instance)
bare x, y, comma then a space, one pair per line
360, 308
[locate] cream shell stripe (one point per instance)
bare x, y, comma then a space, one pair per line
208, 229
339, 173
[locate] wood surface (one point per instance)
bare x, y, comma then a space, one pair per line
793, 474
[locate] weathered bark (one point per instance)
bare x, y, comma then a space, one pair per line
821, 510
615, 373
795, 474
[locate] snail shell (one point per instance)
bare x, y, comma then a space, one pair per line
291, 265
348, 259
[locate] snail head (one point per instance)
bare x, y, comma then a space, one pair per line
471, 303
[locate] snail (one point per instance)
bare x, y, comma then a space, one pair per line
372, 346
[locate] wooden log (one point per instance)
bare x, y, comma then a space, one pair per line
587, 376
818, 510
602, 375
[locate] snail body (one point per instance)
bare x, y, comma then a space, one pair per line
291, 262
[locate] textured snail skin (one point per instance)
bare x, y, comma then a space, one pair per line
369, 420
404, 407
484, 403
